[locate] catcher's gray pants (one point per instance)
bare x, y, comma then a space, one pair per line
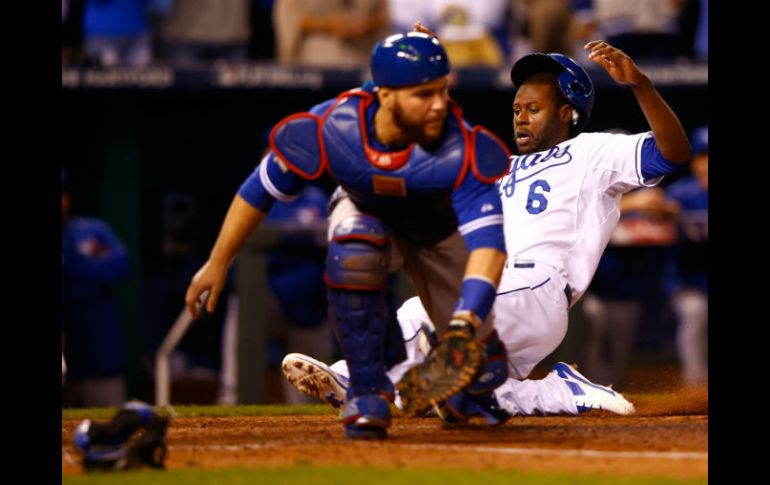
436, 272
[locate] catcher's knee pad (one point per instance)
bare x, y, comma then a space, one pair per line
134, 437
494, 371
358, 255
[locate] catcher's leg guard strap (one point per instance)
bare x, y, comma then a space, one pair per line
356, 274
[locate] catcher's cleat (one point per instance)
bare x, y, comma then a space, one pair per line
451, 366
366, 417
590, 396
314, 378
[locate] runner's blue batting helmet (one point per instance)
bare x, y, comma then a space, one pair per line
574, 81
408, 59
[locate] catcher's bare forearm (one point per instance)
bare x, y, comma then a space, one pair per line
241, 220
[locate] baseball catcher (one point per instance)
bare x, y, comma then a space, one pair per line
416, 190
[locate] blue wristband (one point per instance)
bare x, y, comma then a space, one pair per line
477, 295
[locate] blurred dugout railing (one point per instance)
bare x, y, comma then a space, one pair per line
244, 358
252, 324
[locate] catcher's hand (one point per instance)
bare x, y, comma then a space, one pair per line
450, 367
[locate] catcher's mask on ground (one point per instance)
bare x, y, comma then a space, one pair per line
135, 437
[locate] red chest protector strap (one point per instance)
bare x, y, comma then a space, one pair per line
489, 155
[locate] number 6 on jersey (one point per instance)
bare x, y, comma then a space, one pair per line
536, 201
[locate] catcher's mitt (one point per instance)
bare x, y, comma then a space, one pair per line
451, 366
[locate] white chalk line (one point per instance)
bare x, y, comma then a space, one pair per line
580, 453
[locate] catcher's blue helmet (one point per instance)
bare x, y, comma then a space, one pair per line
700, 140
407, 59
574, 81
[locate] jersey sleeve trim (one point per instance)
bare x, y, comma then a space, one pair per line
268, 184
477, 224
638, 163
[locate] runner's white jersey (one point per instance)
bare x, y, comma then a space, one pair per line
562, 204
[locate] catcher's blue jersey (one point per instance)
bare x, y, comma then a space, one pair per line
421, 193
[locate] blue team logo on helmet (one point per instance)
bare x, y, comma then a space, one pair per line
407, 59
574, 81
700, 140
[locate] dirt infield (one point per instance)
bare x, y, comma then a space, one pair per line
667, 437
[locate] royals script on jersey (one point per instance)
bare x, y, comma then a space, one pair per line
562, 204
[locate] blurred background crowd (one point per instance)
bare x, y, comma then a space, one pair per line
341, 33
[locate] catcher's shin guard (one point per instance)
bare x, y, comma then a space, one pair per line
360, 324
356, 275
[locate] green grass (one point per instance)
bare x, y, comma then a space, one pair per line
197, 411
311, 475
